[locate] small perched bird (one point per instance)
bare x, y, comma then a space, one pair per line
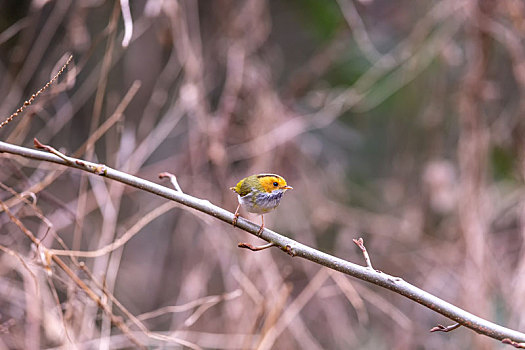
260, 194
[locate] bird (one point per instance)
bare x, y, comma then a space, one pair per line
259, 194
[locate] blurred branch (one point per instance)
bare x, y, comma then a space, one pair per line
48, 255
119, 242
14, 29
356, 24
46, 261
205, 302
288, 245
128, 22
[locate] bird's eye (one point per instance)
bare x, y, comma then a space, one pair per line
275, 184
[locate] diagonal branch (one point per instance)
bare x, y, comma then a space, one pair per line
288, 245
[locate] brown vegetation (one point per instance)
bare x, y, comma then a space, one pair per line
401, 123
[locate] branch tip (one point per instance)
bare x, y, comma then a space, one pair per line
173, 180
359, 242
38, 144
445, 329
513, 343
35, 95
52, 150
255, 248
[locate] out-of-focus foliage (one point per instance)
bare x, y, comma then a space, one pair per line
401, 122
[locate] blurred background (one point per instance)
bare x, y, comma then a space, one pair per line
399, 122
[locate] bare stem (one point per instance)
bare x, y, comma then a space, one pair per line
35, 95
445, 329
359, 242
290, 246
255, 248
173, 180
513, 343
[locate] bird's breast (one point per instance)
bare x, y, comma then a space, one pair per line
261, 202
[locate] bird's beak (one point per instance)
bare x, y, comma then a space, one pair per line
287, 188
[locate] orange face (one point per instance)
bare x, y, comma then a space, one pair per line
272, 182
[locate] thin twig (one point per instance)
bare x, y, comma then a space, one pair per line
98, 169
361, 245
19, 257
114, 319
115, 117
101, 130
361, 37
47, 258
293, 247
209, 300
270, 337
50, 149
212, 301
35, 95
255, 248
173, 180
132, 319
128, 22
119, 242
446, 329
513, 343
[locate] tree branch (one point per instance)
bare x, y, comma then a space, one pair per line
288, 245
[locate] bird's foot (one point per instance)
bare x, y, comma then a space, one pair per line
234, 222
